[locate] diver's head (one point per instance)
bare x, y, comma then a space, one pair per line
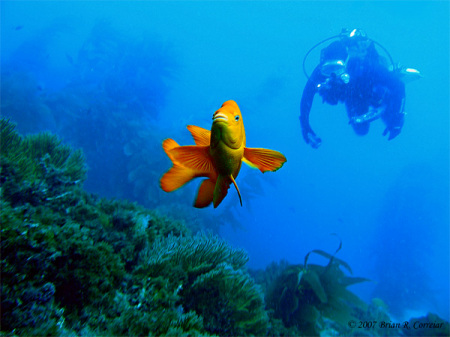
335, 69
356, 41
333, 61
354, 38
335, 51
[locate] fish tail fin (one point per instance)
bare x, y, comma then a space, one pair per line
237, 188
178, 175
205, 194
169, 144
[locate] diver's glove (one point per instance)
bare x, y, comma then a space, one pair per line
393, 131
310, 138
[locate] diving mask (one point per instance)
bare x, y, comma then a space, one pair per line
335, 68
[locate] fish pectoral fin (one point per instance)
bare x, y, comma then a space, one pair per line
205, 194
193, 157
249, 163
264, 159
176, 177
201, 136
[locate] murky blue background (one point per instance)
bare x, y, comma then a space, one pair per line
387, 201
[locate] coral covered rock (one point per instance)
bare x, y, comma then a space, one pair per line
76, 264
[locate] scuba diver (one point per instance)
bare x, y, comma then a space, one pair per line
352, 72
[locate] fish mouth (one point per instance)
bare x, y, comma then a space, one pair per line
220, 117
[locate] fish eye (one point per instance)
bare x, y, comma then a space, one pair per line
236, 118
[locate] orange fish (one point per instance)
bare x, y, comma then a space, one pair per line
217, 155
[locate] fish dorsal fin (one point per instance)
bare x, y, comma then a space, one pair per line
205, 194
194, 157
264, 159
201, 136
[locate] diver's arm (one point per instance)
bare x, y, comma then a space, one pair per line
394, 114
305, 107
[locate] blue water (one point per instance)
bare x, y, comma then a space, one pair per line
170, 64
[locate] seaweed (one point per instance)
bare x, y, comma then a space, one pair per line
313, 298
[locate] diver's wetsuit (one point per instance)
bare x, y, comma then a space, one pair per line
366, 86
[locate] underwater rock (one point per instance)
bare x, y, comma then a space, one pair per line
430, 325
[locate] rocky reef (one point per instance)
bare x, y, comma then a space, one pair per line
75, 264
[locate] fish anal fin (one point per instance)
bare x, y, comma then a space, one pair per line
264, 159
221, 189
205, 194
194, 157
176, 177
201, 136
